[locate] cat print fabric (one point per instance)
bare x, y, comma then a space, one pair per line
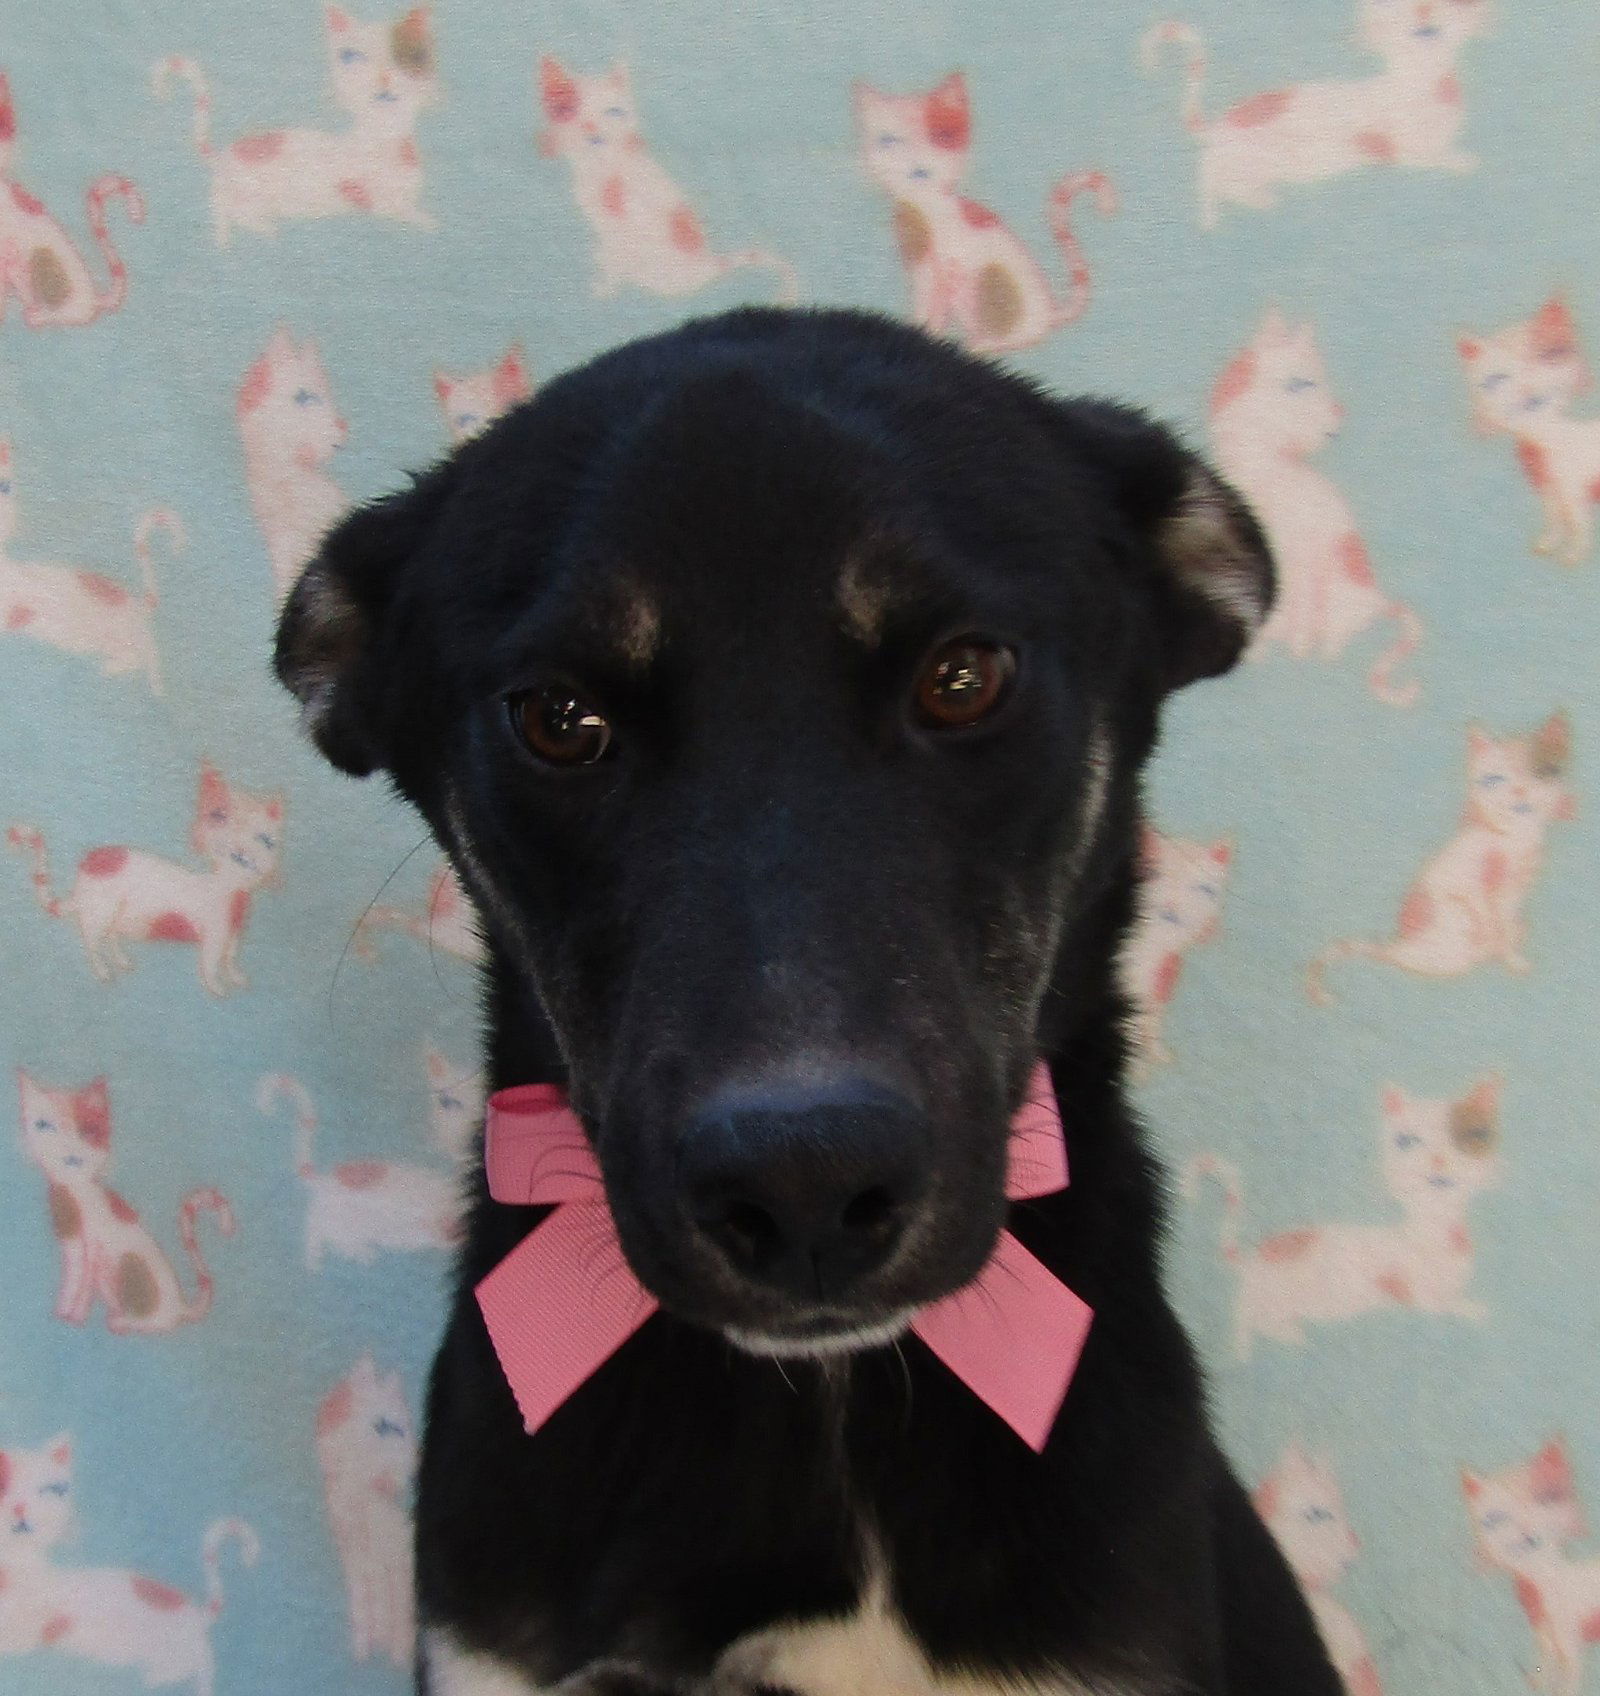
125, 895
1271, 410
383, 81
107, 1255
646, 234
970, 276
1408, 113
107, 1617
1524, 1518
1523, 381
367, 1454
1437, 1156
1301, 1505
1466, 907
258, 264
39, 265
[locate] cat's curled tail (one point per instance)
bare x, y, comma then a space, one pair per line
189, 1209
757, 259
157, 518
219, 1533
1174, 34
1408, 638
100, 191
1226, 1174
1348, 949
161, 74
280, 1086
1097, 184
28, 840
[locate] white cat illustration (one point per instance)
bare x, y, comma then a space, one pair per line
368, 1455
1270, 412
361, 1206
1465, 909
446, 920
1437, 1156
1524, 380
105, 1615
646, 233
1180, 907
1408, 114
82, 612
474, 400
383, 76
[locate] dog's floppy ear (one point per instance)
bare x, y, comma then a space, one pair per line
1215, 580
334, 616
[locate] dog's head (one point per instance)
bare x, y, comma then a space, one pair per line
778, 688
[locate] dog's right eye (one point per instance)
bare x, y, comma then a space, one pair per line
557, 725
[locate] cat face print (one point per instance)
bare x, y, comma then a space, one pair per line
35, 1498
1417, 28
1185, 882
382, 73
235, 829
1515, 784
472, 402
1436, 1153
587, 116
285, 401
1277, 391
364, 1429
66, 1133
1302, 1507
1525, 1514
915, 144
1526, 373
455, 1104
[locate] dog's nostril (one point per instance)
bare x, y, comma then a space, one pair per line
746, 1232
870, 1213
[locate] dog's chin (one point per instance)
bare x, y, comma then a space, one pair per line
820, 1341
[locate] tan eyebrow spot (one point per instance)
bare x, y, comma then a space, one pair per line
862, 602
631, 622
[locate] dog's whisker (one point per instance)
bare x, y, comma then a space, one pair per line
366, 913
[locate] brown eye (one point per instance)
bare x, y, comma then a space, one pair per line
559, 726
964, 682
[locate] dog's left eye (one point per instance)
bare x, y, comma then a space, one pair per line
557, 725
964, 682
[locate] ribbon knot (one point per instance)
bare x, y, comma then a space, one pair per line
564, 1300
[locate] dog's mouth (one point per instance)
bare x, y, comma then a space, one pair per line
823, 1335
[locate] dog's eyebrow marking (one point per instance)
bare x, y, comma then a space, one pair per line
863, 599
628, 620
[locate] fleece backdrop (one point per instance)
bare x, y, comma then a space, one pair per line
258, 260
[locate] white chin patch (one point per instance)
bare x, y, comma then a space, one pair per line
821, 1347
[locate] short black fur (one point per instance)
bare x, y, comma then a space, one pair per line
742, 539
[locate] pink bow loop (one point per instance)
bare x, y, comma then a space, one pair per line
565, 1299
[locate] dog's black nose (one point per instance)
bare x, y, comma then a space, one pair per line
805, 1197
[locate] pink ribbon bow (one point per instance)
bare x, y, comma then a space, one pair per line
564, 1300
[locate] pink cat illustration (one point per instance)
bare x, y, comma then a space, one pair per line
1270, 412
82, 612
970, 275
362, 1206
290, 429
126, 895
1180, 907
1524, 1517
475, 400
445, 921
105, 1615
1410, 113
38, 262
1300, 1503
455, 1106
368, 1456
1437, 1155
107, 1255
1524, 380
383, 76
645, 231
1465, 909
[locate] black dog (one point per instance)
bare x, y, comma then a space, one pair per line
779, 688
